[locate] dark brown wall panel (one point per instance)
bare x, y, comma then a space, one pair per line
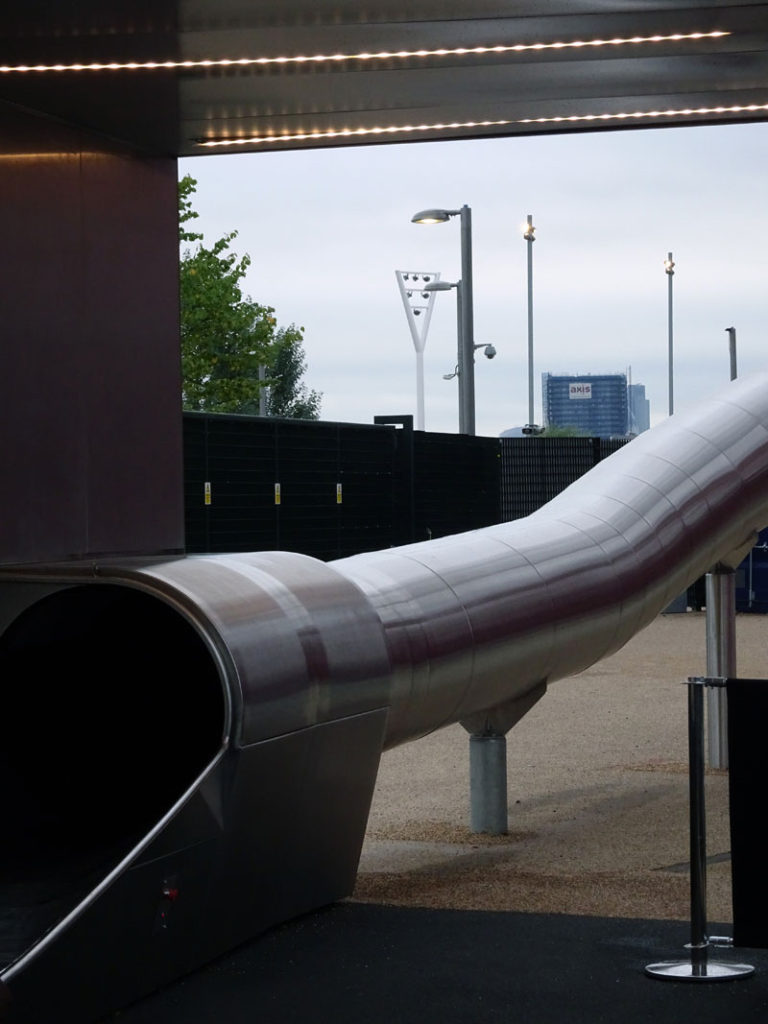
91, 456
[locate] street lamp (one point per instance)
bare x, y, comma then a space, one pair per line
528, 235
466, 335
669, 267
460, 372
731, 331
466, 396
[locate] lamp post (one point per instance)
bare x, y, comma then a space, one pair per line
669, 267
528, 235
466, 337
466, 395
731, 332
445, 286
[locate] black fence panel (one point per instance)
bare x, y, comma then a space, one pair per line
195, 470
335, 489
256, 484
456, 483
229, 474
747, 784
306, 471
368, 492
535, 469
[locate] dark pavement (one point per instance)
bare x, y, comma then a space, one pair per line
355, 962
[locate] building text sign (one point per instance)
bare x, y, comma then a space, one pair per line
579, 390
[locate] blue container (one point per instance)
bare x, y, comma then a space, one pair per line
752, 578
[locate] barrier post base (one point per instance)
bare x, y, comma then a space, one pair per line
690, 970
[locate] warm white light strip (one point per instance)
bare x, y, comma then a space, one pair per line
638, 114
341, 133
460, 51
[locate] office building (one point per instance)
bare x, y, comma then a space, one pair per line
639, 409
595, 404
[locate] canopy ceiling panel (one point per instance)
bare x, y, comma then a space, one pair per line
186, 78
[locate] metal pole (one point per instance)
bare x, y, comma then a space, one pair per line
460, 356
262, 390
529, 236
698, 829
698, 967
419, 389
467, 365
721, 657
488, 784
731, 331
670, 269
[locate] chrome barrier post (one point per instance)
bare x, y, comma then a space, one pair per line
698, 966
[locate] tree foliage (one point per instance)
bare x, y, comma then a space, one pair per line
226, 337
288, 396
564, 431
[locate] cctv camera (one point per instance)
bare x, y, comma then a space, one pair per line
490, 351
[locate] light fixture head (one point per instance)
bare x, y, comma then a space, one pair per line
441, 286
669, 264
431, 216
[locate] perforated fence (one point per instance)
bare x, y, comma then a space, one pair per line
336, 489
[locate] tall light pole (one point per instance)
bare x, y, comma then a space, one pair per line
467, 339
669, 267
731, 332
528, 235
444, 286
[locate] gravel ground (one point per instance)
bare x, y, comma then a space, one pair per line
598, 796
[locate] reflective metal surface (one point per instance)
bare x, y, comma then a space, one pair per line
239, 76
474, 620
267, 684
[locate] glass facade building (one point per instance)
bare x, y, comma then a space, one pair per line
595, 404
639, 409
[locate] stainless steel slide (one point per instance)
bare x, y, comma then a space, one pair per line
193, 744
477, 620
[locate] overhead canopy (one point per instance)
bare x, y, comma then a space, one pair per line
252, 75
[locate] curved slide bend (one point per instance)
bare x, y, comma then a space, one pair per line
478, 620
191, 745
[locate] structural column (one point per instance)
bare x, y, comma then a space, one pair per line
721, 657
488, 761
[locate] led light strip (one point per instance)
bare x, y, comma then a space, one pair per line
637, 114
460, 51
341, 133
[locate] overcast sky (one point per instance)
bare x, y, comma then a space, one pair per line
327, 229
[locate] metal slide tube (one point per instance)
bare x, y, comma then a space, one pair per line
479, 619
324, 665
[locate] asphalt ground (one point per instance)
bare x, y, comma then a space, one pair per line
555, 921
358, 962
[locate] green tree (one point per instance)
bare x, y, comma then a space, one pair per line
288, 396
554, 431
225, 336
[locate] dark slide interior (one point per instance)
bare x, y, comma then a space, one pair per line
111, 706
